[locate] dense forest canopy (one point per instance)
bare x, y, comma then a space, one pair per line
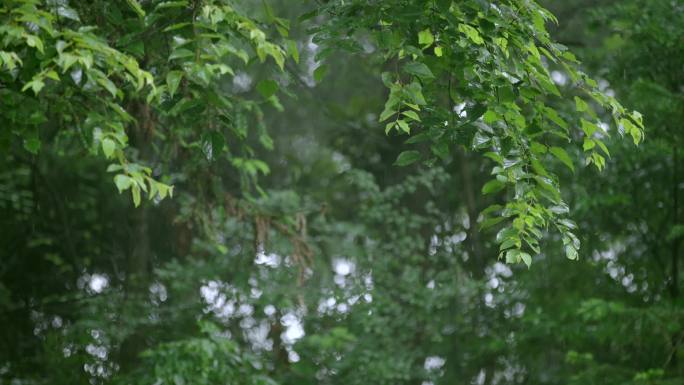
341, 192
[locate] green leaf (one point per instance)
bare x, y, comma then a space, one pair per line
34, 41
122, 182
292, 50
411, 114
425, 38
489, 222
580, 105
495, 157
261, 166
490, 117
137, 8
267, 88
386, 114
633, 130
603, 147
68, 13
270, 16
172, 4
513, 256
389, 126
443, 5
108, 147
107, 84
418, 138
588, 127
526, 258
181, 53
532, 48
415, 92
491, 209
404, 126
472, 33
563, 156
36, 85
675, 233
441, 149
512, 242
173, 79
538, 167
217, 144
52, 75
32, 145
493, 186
176, 26
162, 190
407, 157
135, 191
419, 69
538, 148
320, 72
552, 115
547, 85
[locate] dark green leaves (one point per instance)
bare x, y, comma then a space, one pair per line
500, 91
563, 156
457, 73
32, 144
407, 157
135, 6
218, 142
493, 186
320, 72
419, 69
173, 79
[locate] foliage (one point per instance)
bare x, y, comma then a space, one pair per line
156, 73
487, 59
208, 360
336, 167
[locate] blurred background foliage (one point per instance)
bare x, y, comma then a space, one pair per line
350, 271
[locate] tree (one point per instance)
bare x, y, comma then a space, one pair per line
177, 95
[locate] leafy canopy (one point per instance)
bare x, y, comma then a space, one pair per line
470, 74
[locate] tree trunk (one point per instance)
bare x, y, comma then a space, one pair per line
138, 263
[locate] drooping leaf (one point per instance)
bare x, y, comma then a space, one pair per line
563, 156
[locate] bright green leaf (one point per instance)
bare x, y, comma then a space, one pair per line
267, 88
108, 147
425, 38
563, 156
